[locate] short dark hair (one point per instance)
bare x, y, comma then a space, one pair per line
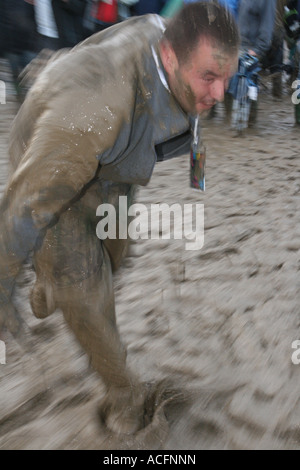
202, 20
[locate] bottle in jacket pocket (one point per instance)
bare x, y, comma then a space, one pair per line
198, 158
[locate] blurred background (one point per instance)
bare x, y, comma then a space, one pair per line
29, 26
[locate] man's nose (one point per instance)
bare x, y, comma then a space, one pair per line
217, 90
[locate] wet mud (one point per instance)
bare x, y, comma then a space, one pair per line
210, 331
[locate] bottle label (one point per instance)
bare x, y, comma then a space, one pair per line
197, 172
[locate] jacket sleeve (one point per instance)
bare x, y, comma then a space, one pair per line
61, 156
266, 27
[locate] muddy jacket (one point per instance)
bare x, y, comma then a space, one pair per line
95, 112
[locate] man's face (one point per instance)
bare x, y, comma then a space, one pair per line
201, 81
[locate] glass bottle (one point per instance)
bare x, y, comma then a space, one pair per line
197, 159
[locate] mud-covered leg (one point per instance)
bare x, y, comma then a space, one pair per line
89, 309
78, 267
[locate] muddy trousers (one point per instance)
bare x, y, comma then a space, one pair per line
74, 270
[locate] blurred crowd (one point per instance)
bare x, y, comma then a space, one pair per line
29, 26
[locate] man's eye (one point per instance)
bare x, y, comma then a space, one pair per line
207, 79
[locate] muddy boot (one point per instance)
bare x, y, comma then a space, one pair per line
277, 85
122, 409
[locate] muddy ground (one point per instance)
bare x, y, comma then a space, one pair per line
219, 322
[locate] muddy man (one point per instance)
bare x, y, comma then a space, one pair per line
90, 129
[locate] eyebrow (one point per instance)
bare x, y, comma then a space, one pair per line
209, 72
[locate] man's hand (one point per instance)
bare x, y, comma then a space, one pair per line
252, 52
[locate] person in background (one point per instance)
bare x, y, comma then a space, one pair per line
292, 36
256, 20
292, 28
68, 15
273, 59
126, 9
104, 13
48, 37
17, 37
142, 7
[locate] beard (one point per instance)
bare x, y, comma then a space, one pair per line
206, 112
183, 93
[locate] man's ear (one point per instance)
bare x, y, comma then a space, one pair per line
168, 57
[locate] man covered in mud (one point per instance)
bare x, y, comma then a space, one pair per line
86, 134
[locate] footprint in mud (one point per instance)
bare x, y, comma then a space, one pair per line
163, 404
25, 412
